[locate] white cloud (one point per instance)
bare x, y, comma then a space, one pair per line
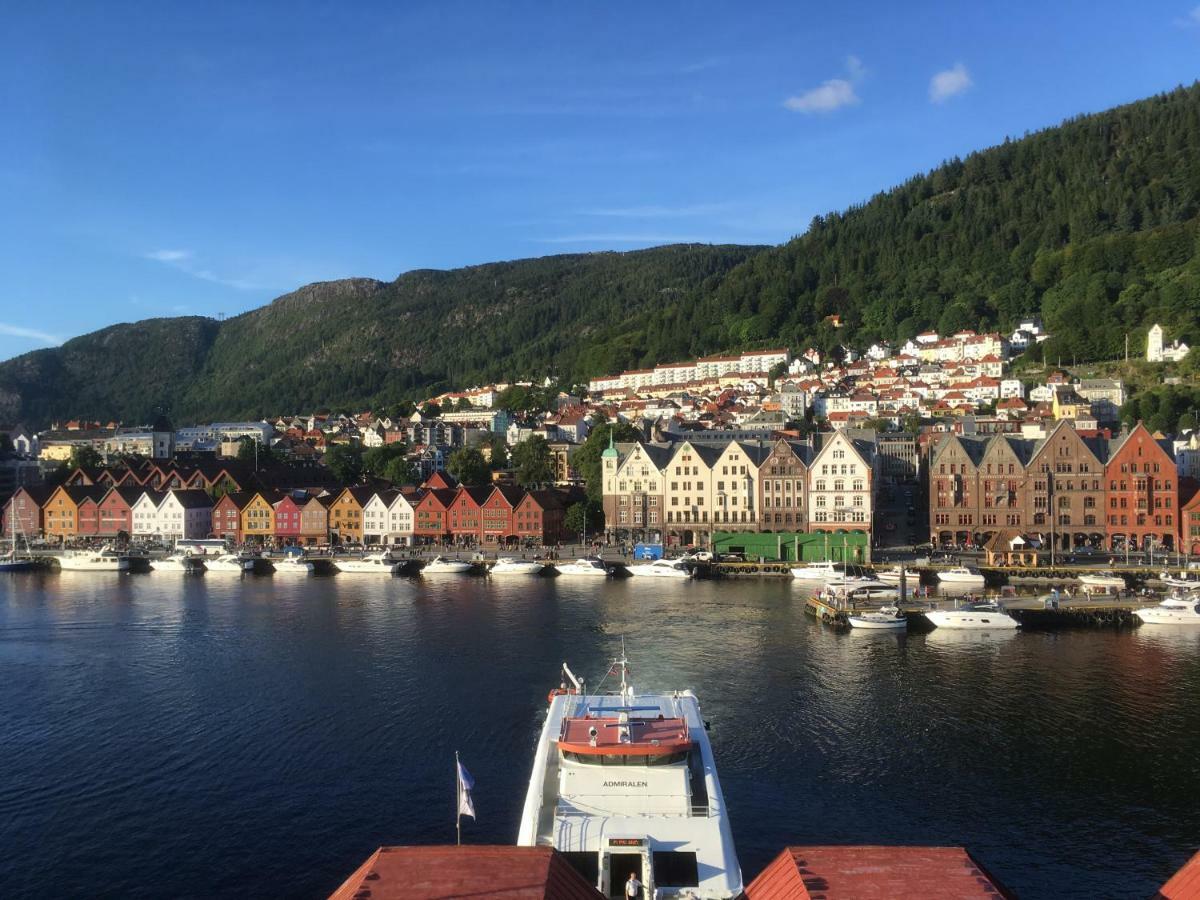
949, 83
18, 331
832, 94
169, 256
184, 261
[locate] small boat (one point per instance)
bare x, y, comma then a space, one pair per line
1103, 582
10, 562
662, 568
625, 781
293, 565
963, 576
176, 562
506, 565
1174, 610
439, 565
585, 568
102, 560
887, 618
975, 615
865, 582
371, 564
892, 575
818, 571
228, 564
1183, 581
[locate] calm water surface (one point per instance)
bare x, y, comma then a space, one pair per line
202, 736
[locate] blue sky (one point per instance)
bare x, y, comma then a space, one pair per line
170, 159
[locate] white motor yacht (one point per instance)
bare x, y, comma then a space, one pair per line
293, 565
585, 568
102, 560
179, 563
440, 565
661, 568
625, 782
1187, 580
892, 575
506, 565
1102, 582
818, 571
1174, 610
228, 564
371, 564
961, 576
975, 615
887, 618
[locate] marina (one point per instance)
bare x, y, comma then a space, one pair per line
329, 673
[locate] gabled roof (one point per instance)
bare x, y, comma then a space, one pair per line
192, 499
874, 873
240, 499
512, 494
81, 493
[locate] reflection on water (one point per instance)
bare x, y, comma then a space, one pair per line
231, 735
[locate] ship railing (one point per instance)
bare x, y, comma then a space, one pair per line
669, 806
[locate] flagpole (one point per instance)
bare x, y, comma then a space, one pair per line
457, 800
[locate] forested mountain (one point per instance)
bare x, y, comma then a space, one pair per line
1094, 224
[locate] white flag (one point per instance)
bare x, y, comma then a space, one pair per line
465, 782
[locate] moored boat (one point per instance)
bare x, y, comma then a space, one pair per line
179, 563
293, 565
892, 575
509, 566
440, 565
103, 560
1174, 610
886, 618
818, 571
961, 576
1187, 580
583, 568
228, 564
625, 782
371, 564
974, 615
1102, 582
661, 568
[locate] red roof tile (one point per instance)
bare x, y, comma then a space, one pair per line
1184, 884
865, 873
444, 872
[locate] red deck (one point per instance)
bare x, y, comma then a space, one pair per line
646, 736
873, 873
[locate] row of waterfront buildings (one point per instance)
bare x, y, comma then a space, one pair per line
1068, 489
168, 503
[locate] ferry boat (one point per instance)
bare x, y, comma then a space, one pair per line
371, 564
1176, 610
662, 568
962, 576
228, 564
176, 562
986, 615
1103, 582
103, 560
586, 568
506, 565
625, 783
439, 565
886, 618
293, 565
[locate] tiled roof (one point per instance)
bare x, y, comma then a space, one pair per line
874, 873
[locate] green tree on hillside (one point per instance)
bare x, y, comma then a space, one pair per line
532, 461
345, 461
469, 467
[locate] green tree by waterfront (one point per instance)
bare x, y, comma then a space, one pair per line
586, 460
469, 467
345, 461
533, 463
389, 462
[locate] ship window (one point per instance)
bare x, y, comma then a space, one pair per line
675, 869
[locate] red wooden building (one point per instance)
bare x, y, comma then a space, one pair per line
1143, 493
116, 511
430, 514
227, 515
26, 507
289, 520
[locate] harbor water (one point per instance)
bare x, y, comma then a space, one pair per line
167, 735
